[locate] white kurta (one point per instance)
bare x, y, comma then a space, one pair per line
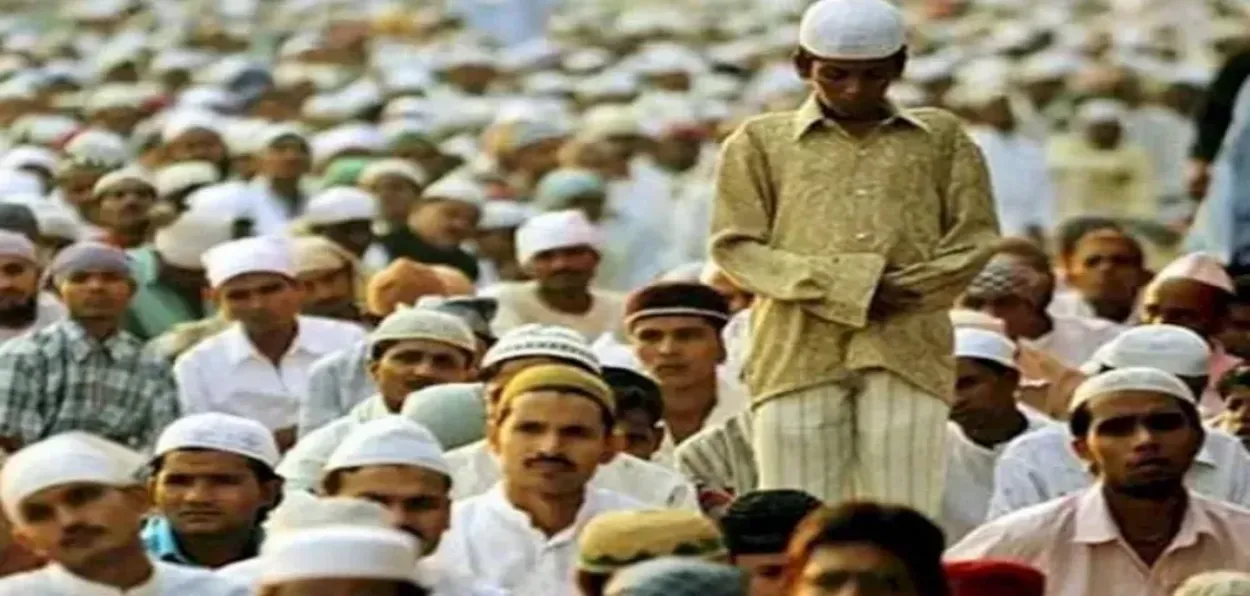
1073, 340
497, 543
1023, 192
167, 580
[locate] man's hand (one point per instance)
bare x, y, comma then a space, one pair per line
890, 299
1198, 178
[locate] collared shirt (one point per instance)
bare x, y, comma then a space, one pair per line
301, 468
811, 220
519, 305
1023, 193
1073, 340
474, 470
721, 458
160, 540
496, 542
1075, 542
731, 400
48, 310
1040, 466
167, 579
441, 578
970, 476
336, 383
226, 374
59, 379
155, 307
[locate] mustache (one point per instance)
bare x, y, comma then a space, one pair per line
79, 533
543, 458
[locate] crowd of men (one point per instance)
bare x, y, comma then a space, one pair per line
597, 298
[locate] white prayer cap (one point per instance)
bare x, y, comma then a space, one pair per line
534, 340
272, 133
1048, 66
184, 241
174, 59
393, 440
462, 55
63, 459
457, 188
181, 123
112, 179
19, 182
231, 199
612, 83
975, 319
339, 552
606, 121
213, 99
54, 219
416, 108
248, 255
96, 147
220, 432
557, 229
421, 323
348, 137
338, 205
17, 246
25, 156
1101, 111
300, 510
1199, 267
44, 129
1131, 379
586, 59
1169, 348
503, 215
178, 177
393, 167
852, 29
982, 344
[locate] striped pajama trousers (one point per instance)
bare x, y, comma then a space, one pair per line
873, 437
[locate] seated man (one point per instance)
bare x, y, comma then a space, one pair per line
340, 560
757, 527
617, 540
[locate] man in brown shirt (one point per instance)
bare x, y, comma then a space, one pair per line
856, 224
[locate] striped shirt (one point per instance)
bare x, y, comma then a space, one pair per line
720, 458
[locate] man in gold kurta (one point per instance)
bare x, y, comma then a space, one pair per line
856, 224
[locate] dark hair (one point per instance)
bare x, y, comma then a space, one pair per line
332, 483
590, 583
803, 59
1072, 231
762, 521
378, 350
1237, 376
901, 531
999, 369
634, 391
1082, 419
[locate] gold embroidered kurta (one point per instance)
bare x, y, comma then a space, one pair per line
812, 219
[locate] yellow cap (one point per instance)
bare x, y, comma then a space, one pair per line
617, 539
555, 377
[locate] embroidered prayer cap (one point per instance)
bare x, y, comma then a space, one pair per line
401, 168
852, 29
420, 323
338, 205
88, 256
16, 246
1200, 267
1131, 379
454, 412
339, 552
678, 576
1002, 279
534, 340
179, 177
404, 281
985, 345
1169, 348
559, 377
617, 539
389, 441
456, 187
220, 432
559, 187
993, 578
555, 230
677, 299
110, 180
261, 254
65, 458
761, 521
184, 241
476, 311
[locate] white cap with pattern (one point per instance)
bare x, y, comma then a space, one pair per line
220, 432
534, 340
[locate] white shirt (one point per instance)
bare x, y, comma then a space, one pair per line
442, 579
497, 543
474, 470
1040, 466
519, 305
1023, 192
167, 579
1073, 340
970, 476
226, 374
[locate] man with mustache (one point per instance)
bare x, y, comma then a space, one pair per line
212, 481
73, 499
123, 201
561, 250
86, 373
412, 349
551, 430
23, 308
1139, 530
258, 367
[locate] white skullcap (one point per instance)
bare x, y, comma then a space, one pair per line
179, 177
852, 29
63, 459
1131, 379
606, 121
1101, 111
15, 182
457, 188
534, 340
231, 200
98, 148
112, 95
300, 510
17, 246
1200, 267
985, 345
27, 156
421, 323
181, 123
248, 255
213, 99
393, 167
184, 241
504, 215
112, 179
220, 432
340, 204
1169, 348
393, 440
359, 137
557, 229
271, 133
339, 552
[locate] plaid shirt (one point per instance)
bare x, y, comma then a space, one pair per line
59, 379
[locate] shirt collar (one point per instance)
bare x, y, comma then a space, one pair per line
810, 114
239, 348
162, 543
81, 345
67, 583
1094, 524
497, 501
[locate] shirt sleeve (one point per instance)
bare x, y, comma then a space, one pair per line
324, 395
193, 391
163, 398
837, 288
21, 410
1216, 112
1014, 487
970, 228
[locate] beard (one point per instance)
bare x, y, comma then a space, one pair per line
21, 315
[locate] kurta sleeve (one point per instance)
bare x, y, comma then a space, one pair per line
837, 288
970, 229
324, 395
